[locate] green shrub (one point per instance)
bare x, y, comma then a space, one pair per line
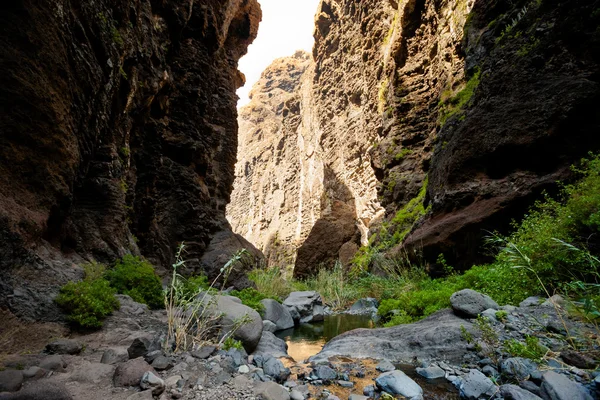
88, 302
191, 286
136, 278
250, 297
231, 343
530, 349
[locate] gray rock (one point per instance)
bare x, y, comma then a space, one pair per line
512, 392
269, 326
239, 357
11, 380
369, 390
93, 373
64, 346
32, 372
130, 373
385, 366
470, 303
357, 397
275, 369
531, 387
423, 339
490, 314
296, 395
162, 363
531, 302
243, 369
142, 346
518, 368
431, 372
271, 344
40, 390
476, 385
364, 306
558, 387
115, 355
301, 306
53, 363
556, 300
271, 391
345, 384
490, 371
152, 382
325, 373
277, 314
203, 352
397, 382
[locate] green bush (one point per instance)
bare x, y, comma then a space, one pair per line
88, 302
191, 286
250, 297
530, 349
136, 278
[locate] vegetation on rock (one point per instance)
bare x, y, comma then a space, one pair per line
136, 278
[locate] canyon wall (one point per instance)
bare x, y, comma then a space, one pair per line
453, 115
118, 135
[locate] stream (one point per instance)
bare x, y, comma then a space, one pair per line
306, 340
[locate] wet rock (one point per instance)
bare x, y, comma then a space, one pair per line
271, 391
152, 382
11, 380
278, 314
558, 387
53, 363
518, 368
476, 385
40, 390
385, 366
64, 346
270, 344
114, 355
432, 372
131, 372
470, 303
305, 307
512, 392
397, 382
364, 306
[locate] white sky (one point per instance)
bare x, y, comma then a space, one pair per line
287, 26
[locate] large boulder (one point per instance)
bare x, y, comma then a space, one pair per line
40, 390
470, 303
424, 340
305, 307
271, 344
130, 373
10, 380
64, 346
278, 314
397, 382
518, 368
513, 392
476, 385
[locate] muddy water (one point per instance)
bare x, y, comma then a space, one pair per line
308, 339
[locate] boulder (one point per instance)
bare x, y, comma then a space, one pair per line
275, 369
357, 397
88, 372
64, 346
579, 360
11, 380
476, 385
278, 314
305, 306
397, 382
162, 363
152, 382
325, 373
53, 363
40, 390
558, 387
130, 373
364, 306
470, 303
271, 391
272, 345
203, 352
423, 339
142, 346
385, 366
513, 392
269, 326
115, 355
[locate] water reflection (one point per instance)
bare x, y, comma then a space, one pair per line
308, 339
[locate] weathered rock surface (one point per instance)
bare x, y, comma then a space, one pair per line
43, 389
476, 385
137, 104
131, 372
305, 307
470, 303
270, 344
559, 387
278, 314
424, 340
397, 382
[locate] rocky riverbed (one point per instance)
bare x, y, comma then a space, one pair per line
455, 353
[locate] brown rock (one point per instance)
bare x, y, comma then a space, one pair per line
130, 373
579, 360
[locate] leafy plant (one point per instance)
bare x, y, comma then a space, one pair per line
231, 343
88, 302
136, 278
501, 315
530, 349
250, 297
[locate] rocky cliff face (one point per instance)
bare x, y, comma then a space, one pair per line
454, 115
118, 135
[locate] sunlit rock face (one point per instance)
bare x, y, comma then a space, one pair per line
118, 135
